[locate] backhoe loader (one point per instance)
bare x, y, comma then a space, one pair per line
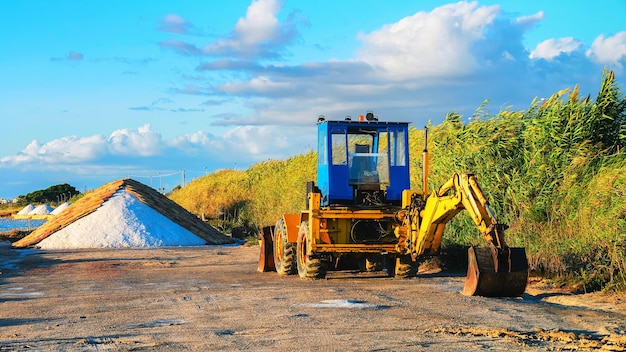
362, 211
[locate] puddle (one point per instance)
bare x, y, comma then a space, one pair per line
157, 323
342, 303
21, 294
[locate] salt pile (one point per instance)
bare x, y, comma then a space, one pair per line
122, 221
121, 214
27, 209
60, 208
42, 209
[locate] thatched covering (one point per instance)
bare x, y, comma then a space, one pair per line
145, 194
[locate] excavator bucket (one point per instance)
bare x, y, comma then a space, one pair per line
266, 256
496, 272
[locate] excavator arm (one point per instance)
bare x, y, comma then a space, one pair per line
461, 192
495, 270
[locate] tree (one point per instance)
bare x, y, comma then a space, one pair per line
57, 193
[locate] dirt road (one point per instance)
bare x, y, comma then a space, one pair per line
212, 298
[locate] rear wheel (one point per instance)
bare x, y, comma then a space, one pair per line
309, 267
405, 267
284, 251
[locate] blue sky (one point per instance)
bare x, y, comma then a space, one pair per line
95, 91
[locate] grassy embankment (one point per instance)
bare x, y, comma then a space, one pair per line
8, 211
555, 172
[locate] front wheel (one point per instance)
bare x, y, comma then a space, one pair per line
309, 267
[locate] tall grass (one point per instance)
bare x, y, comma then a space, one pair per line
254, 197
554, 172
279, 187
219, 197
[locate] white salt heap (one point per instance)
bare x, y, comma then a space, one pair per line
27, 209
42, 209
122, 221
60, 208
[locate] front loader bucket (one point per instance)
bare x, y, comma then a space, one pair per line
266, 255
496, 273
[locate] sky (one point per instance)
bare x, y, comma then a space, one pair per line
168, 91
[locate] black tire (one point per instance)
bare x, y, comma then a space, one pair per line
308, 267
405, 267
284, 251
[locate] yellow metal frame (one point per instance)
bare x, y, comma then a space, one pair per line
325, 224
292, 221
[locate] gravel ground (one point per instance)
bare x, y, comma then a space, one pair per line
211, 298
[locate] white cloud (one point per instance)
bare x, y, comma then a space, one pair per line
174, 24
429, 44
255, 34
261, 84
551, 48
189, 142
530, 21
260, 23
74, 150
610, 50
63, 150
144, 148
144, 142
246, 144
257, 140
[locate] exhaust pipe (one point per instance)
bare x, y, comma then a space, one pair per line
425, 165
